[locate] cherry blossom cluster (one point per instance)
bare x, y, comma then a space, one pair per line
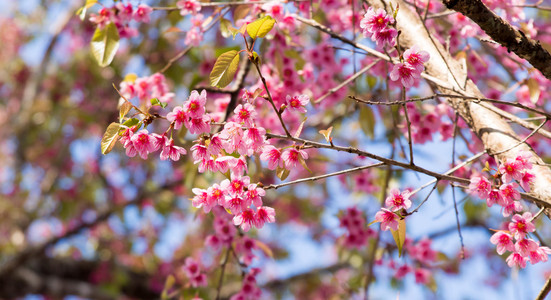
147, 88
515, 240
358, 233
503, 189
422, 257
192, 270
121, 14
377, 25
424, 124
395, 202
143, 143
249, 289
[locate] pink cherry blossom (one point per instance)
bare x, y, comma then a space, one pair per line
171, 151
264, 214
416, 58
195, 105
405, 73
191, 267
521, 225
509, 192
272, 155
246, 219
510, 170
388, 219
201, 199
292, 156
188, 7
374, 21
254, 195
397, 200
540, 254
143, 143
526, 180
297, 103
385, 36
525, 246
516, 260
245, 113
503, 242
178, 116
199, 125
481, 187
142, 13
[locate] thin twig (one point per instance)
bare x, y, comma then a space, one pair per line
523, 140
347, 81
223, 266
385, 160
314, 178
270, 99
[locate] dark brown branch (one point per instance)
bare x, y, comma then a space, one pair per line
505, 34
11, 264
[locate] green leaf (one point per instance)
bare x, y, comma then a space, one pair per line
260, 27
155, 101
224, 69
105, 43
400, 235
169, 283
110, 137
81, 12
367, 121
131, 122
225, 28
282, 173
125, 108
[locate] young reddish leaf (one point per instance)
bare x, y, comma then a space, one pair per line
264, 248
534, 89
299, 130
327, 133
110, 137
125, 108
400, 235
241, 11
257, 93
105, 43
303, 163
260, 27
224, 69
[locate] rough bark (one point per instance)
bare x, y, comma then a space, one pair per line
505, 34
493, 131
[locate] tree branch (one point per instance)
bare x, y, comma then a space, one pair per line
505, 34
